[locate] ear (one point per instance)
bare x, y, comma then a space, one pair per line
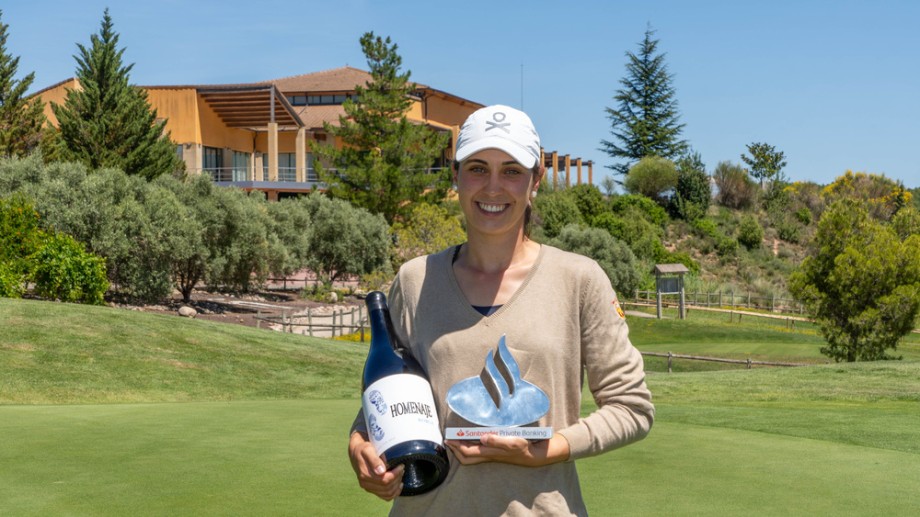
538, 177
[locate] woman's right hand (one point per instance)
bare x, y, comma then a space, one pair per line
371, 469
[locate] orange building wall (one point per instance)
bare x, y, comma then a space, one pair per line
179, 107
447, 112
56, 95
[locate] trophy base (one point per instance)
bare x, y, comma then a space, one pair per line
475, 433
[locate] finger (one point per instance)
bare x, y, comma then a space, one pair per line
376, 466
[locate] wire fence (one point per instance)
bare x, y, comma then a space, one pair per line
729, 300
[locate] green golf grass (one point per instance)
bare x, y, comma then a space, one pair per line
109, 412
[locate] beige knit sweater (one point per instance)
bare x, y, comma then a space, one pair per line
562, 327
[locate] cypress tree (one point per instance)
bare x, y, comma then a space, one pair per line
384, 163
106, 122
646, 121
21, 119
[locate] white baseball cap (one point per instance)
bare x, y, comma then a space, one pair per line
503, 128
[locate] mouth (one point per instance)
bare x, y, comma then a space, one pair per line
492, 208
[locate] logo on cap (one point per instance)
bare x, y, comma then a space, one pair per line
499, 122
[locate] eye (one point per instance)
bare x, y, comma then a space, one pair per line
512, 171
476, 169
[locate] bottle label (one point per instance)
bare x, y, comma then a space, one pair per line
400, 408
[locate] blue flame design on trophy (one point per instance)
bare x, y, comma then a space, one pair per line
499, 399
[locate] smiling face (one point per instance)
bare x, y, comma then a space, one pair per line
494, 192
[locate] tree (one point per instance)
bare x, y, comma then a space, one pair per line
693, 192
106, 122
646, 121
21, 119
735, 187
765, 161
384, 163
860, 282
653, 177
345, 240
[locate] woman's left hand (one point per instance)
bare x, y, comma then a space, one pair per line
510, 449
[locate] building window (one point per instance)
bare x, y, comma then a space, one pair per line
298, 100
240, 166
287, 166
213, 162
326, 100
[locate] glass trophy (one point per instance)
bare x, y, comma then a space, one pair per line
498, 401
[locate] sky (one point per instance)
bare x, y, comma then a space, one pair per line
835, 85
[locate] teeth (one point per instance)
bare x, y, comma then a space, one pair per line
491, 208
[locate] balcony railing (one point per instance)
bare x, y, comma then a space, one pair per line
235, 174
285, 174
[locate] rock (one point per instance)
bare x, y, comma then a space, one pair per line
187, 311
333, 297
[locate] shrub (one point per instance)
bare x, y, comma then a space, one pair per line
735, 188
726, 246
614, 256
882, 196
750, 233
553, 211
20, 237
693, 192
63, 270
789, 231
649, 210
589, 200
653, 177
428, 229
12, 281
642, 237
803, 215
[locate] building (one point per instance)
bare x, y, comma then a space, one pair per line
259, 136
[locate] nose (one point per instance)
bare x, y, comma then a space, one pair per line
494, 184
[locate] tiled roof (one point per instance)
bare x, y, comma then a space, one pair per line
314, 116
336, 80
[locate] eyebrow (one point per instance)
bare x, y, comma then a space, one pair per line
477, 160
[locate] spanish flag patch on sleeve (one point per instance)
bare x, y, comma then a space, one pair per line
616, 305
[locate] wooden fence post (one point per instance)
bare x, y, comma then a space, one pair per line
310, 321
669, 361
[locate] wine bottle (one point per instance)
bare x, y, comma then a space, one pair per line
402, 422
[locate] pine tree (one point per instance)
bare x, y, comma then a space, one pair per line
21, 118
646, 121
384, 162
106, 122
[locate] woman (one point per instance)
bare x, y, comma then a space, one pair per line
562, 324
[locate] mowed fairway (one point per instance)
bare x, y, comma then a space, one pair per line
817, 440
